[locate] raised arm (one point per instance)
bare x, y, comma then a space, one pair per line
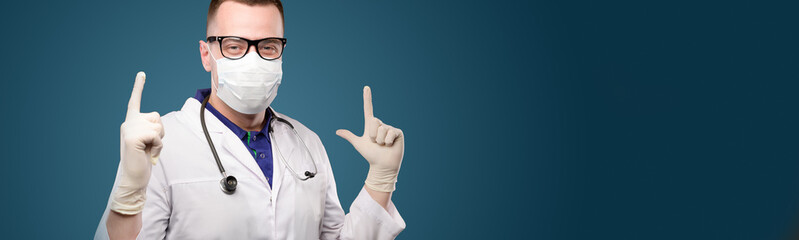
140, 146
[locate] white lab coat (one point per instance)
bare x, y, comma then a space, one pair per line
185, 200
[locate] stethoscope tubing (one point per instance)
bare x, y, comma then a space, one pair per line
208, 138
229, 183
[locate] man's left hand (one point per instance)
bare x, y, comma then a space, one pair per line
381, 145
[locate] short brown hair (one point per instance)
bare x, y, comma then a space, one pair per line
215, 6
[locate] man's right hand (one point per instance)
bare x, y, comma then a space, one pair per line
141, 135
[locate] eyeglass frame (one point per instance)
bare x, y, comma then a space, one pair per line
249, 43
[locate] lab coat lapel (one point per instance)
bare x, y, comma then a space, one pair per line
235, 148
282, 144
224, 139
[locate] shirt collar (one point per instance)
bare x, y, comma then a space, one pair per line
241, 133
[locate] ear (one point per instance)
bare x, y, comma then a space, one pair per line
204, 57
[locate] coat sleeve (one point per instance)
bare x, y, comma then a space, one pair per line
157, 208
366, 220
155, 216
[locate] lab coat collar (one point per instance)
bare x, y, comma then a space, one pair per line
241, 133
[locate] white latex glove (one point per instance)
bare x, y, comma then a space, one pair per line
381, 144
140, 146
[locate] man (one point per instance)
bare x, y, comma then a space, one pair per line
167, 184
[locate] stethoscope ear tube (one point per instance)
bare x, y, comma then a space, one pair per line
279, 119
308, 174
229, 183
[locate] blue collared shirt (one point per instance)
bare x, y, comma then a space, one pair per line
257, 142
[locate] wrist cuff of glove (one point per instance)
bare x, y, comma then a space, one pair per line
381, 180
128, 202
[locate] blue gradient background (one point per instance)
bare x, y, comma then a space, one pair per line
524, 119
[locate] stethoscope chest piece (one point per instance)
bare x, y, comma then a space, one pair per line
229, 184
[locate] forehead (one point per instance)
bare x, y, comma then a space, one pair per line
251, 22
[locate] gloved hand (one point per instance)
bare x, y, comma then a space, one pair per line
140, 146
381, 144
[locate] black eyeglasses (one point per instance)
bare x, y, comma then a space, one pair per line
235, 47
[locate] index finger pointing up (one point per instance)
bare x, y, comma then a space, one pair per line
367, 103
135, 96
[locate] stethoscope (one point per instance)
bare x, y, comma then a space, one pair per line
229, 182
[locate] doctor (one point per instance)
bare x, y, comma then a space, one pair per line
243, 170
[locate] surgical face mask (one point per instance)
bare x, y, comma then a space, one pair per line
248, 85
